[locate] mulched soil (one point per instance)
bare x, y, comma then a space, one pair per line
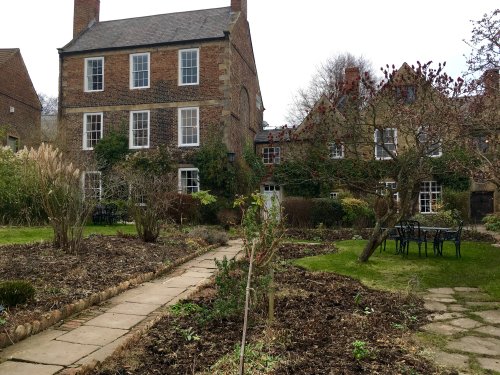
318, 316
60, 278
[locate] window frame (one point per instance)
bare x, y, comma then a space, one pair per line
84, 187
181, 77
132, 55
86, 75
13, 143
131, 130
434, 193
422, 139
336, 145
395, 143
180, 127
272, 157
179, 179
85, 131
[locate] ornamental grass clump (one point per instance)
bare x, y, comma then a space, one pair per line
57, 184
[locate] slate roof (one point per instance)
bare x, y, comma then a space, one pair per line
6, 54
153, 30
275, 135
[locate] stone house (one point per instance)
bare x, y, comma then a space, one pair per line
168, 79
325, 120
20, 108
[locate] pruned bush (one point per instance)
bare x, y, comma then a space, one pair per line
16, 292
326, 211
357, 213
459, 201
448, 218
209, 235
228, 217
492, 222
184, 208
298, 212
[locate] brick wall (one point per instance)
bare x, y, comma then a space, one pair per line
16, 91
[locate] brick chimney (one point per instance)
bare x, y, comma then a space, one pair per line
491, 82
239, 6
351, 81
86, 12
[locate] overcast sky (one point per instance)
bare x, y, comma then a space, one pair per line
290, 38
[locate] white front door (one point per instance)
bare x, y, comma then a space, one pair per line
270, 191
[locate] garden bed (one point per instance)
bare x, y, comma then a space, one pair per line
60, 279
322, 323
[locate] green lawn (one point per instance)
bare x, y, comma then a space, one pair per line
478, 267
17, 235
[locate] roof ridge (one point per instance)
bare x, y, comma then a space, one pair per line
160, 14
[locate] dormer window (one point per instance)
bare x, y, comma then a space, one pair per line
336, 150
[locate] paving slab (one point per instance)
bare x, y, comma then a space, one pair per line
133, 308
105, 352
492, 364
456, 360
443, 298
40, 339
445, 316
465, 323
441, 290
457, 308
166, 288
490, 316
196, 274
114, 320
489, 330
23, 368
475, 344
180, 282
56, 353
442, 329
435, 306
91, 335
153, 299
208, 264
466, 289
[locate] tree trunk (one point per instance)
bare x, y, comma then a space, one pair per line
378, 236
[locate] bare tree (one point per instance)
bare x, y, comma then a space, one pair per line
49, 104
485, 43
328, 80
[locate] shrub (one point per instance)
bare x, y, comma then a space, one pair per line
16, 292
298, 212
492, 222
326, 211
209, 235
357, 213
458, 201
439, 219
184, 208
228, 217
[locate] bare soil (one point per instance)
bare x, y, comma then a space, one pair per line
318, 318
60, 278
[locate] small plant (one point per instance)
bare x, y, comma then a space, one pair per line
360, 350
183, 308
3, 315
209, 235
188, 334
492, 222
16, 292
398, 326
357, 298
368, 310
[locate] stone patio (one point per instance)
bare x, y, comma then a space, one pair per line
471, 328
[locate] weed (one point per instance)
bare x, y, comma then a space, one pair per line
183, 308
398, 326
188, 334
357, 298
368, 310
360, 350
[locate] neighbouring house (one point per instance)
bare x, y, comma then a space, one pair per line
20, 108
483, 129
165, 79
49, 128
375, 137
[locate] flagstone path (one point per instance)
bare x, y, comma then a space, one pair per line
469, 321
96, 333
